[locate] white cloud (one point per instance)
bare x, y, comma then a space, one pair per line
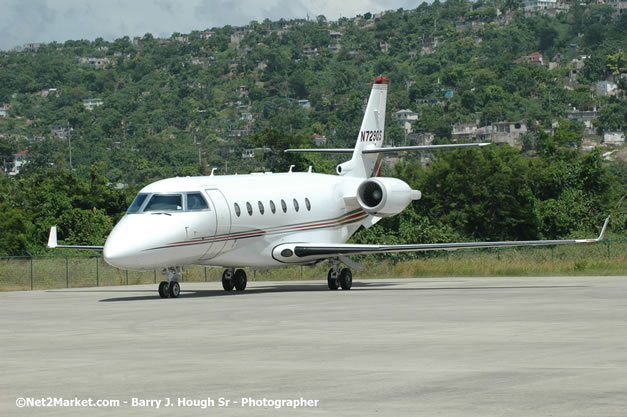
28, 21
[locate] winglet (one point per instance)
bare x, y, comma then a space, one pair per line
52, 239
607, 220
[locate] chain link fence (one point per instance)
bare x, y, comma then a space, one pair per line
608, 257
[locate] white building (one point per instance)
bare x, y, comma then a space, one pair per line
606, 88
4, 111
614, 138
92, 103
319, 140
98, 63
405, 118
19, 159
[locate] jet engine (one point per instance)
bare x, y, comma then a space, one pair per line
384, 196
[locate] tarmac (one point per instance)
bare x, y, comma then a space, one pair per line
551, 346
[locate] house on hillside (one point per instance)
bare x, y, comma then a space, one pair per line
464, 131
319, 140
421, 138
405, 118
502, 132
4, 111
614, 138
97, 63
19, 159
92, 103
61, 132
586, 117
606, 88
532, 58
619, 6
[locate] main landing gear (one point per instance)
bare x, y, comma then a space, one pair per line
234, 279
340, 278
171, 287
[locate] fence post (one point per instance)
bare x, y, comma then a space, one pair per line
205, 268
552, 253
609, 245
97, 273
301, 272
155, 271
31, 272
127, 277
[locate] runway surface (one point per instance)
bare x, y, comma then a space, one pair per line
421, 347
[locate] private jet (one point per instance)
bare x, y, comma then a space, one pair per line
272, 220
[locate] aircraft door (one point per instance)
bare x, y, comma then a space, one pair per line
223, 222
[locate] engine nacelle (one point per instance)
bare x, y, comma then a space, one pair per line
384, 196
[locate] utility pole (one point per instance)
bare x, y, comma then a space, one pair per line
69, 142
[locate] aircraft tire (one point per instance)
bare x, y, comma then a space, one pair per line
174, 289
346, 279
164, 292
240, 280
332, 282
227, 284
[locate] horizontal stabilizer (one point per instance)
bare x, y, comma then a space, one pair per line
52, 242
393, 148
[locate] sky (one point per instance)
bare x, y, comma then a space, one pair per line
31, 21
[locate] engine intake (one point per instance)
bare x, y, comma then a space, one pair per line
385, 197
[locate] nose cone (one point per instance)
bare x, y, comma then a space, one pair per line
121, 249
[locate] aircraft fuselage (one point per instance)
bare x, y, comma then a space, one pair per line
245, 217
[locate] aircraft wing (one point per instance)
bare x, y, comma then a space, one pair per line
304, 252
52, 242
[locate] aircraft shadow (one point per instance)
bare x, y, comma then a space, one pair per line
287, 288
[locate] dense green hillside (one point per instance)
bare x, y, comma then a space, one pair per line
184, 105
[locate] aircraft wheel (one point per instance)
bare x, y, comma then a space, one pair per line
346, 279
333, 282
175, 289
240, 280
228, 280
164, 292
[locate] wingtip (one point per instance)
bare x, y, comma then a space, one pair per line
52, 238
607, 220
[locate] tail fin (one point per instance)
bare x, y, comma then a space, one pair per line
371, 134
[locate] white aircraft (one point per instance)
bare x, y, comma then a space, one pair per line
266, 220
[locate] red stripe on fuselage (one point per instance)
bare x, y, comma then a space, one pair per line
241, 235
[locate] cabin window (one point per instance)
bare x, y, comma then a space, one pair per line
249, 208
284, 206
272, 207
308, 204
195, 201
165, 202
137, 203
237, 210
261, 208
295, 205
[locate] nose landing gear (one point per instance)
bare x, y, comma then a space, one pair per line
171, 287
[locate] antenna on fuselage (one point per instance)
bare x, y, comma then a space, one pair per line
212, 171
291, 166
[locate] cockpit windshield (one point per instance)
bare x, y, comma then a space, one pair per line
137, 203
165, 202
186, 201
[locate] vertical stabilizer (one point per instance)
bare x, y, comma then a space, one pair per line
370, 135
